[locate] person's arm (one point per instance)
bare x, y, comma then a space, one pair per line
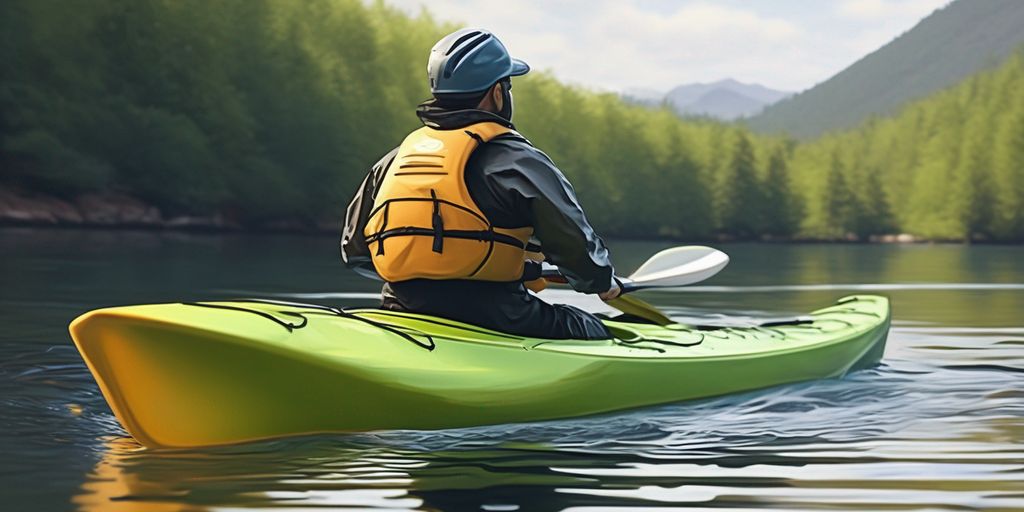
523, 178
354, 251
567, 238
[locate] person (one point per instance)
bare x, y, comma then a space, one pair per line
456, 219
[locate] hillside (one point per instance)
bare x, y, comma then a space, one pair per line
944, 48
946, 167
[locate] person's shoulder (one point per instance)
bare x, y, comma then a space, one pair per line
513, 136
388, 157
385, 161
513, 144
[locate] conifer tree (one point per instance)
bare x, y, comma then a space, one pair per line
972, 197
781, 208
1008, 218
740, 200
839, 201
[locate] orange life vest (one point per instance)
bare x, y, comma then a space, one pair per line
424, 224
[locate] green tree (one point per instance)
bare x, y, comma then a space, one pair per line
839, 201
739, 198
1008, 221
973, 195
781, 209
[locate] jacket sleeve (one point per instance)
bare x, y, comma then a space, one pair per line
354, 251
519, 173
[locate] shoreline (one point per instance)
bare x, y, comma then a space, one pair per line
258, 231
121, 212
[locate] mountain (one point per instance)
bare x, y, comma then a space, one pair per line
687, 94
643, 96
721, 104
725, 99
952, 43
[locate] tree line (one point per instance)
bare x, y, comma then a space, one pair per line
949, 167
270, 109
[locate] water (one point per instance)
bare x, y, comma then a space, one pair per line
938, 426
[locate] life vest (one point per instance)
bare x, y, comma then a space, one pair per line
425, 225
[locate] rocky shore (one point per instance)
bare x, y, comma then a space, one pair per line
116, 210
120, 210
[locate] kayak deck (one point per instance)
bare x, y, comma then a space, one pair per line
633, 340
186, 375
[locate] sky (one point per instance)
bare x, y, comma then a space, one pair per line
658, 44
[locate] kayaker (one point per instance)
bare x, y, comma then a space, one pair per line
455, 218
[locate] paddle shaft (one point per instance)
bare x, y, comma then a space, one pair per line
553, 276
629, 305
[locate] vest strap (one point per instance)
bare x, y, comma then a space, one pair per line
479, 140
380, 242
437, 223
483, 236
384, 205
490, 250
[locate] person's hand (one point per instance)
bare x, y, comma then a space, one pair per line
536, 285
612, 293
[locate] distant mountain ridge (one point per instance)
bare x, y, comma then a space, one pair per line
942, 49
726, 99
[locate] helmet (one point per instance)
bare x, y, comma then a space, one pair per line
470, 60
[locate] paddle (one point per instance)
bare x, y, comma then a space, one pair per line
635, 306
670, 268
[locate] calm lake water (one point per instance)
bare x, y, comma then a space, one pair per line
939, 425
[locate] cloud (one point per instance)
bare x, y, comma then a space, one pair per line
696, 42
878, 21
614, 45
888, 9
699, 20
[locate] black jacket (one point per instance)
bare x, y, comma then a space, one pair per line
515, 185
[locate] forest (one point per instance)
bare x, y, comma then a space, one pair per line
273, 109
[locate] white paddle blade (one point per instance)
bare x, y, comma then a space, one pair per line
679, 266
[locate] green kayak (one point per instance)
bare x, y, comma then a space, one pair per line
211, 373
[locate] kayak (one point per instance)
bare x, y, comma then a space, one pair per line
211, 373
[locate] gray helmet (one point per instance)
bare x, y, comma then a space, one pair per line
470, 60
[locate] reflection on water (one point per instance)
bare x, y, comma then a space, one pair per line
849, 443
938, 426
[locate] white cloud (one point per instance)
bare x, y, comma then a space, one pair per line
888, 9
696, 42
695, 21
608, 44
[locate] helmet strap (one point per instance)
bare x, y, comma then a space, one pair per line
506, 99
